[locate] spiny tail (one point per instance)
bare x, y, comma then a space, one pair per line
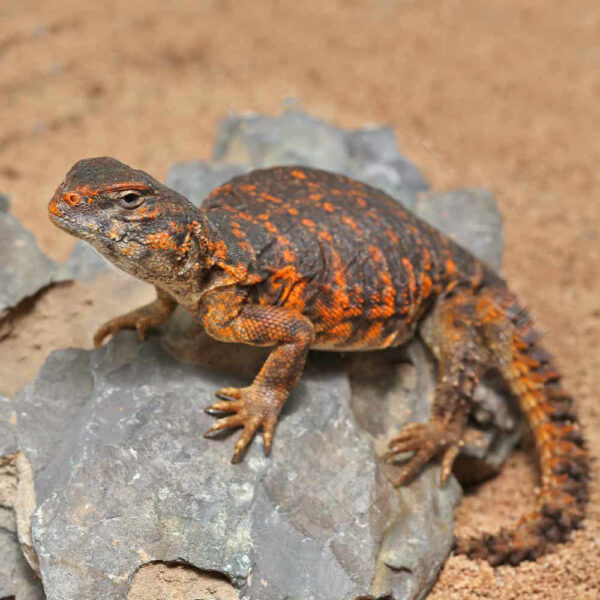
529, 371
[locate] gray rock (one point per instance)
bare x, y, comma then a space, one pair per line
8, 439
370, 154
16, 577
10, 552
24, 268
292, 138
84, 264
25, 584
123, 477
196, 179
470, 217
498, 428
374, 158
9, 545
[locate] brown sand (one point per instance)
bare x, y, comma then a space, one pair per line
504, 94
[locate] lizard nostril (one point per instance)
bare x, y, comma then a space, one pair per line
72, 199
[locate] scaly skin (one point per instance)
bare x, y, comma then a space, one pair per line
297, 258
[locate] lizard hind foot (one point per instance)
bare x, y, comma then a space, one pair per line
427, 441
251, 411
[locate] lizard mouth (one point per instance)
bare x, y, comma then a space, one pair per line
61, 221
69, 225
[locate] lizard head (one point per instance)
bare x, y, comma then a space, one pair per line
139, 224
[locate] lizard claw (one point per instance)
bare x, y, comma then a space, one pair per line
426, 440
141, 319
251, 411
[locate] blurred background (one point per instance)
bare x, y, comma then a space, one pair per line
503, 94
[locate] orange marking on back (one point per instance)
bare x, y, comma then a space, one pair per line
426, 286
325, 235
341, 300
361, 202
271, 198
412, 281
450, 266
247, 187
315, 196
393, 237
298, 174
292, 211
352, 224
270, 227
328, 206
386, 299
308, 223
246, 246
427, 259
289, 255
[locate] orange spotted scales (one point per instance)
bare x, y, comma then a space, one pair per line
295, 258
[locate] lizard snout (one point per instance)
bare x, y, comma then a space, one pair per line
53, 208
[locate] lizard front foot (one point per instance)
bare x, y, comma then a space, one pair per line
426, 440
141, 319
253, 408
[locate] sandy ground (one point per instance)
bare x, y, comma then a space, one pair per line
503, 94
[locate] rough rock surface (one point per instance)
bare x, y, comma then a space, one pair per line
370, 154
470, 217
24, 268
196, 179
123, 476
16, 576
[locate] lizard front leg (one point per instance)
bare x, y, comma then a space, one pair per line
141, 318
227, 317
453, 335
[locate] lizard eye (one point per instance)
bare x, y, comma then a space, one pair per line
130, 199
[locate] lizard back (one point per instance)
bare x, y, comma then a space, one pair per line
355, 261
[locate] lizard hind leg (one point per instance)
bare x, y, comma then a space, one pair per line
452, 334
532, 377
